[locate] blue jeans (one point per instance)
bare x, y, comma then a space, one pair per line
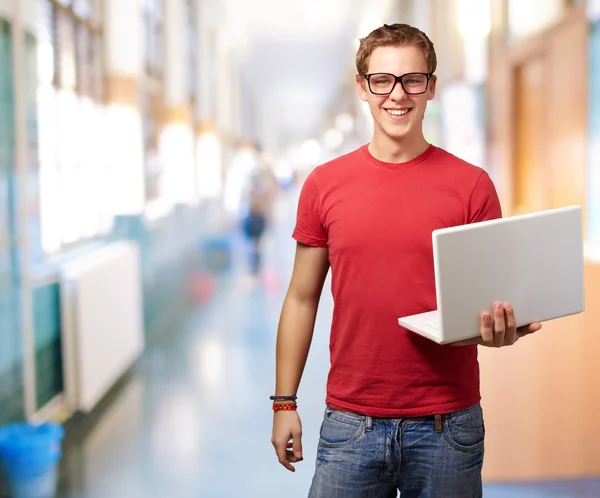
429, 457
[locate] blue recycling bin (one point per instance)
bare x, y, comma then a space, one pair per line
217, 252
29, 454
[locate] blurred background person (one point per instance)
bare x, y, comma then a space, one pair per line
262, 188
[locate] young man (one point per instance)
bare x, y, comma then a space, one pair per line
402, 412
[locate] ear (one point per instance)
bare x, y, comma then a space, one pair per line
431, 89
361, 86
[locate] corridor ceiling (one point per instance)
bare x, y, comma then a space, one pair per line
296, 54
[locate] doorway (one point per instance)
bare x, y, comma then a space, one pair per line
530, 174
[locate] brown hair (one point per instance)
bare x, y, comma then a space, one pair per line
392, 35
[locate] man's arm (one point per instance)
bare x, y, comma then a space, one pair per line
294, 337
298, 316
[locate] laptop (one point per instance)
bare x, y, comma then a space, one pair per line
534, 261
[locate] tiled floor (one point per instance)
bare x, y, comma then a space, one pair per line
194, 420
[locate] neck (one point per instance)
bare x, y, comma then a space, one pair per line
389, 150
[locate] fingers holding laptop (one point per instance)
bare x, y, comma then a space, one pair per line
499, 328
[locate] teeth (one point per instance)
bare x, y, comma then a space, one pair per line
397, 112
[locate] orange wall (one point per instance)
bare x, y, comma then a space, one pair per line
542, 397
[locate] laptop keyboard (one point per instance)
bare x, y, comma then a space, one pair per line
432, 324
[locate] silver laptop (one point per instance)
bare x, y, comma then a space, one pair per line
534, 261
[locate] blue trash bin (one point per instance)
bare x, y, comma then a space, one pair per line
218, 252
29, 454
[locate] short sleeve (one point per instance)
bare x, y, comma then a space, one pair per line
485, 204
309, 229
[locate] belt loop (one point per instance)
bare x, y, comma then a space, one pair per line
368, 424
438, 423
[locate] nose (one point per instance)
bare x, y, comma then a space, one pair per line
398, 92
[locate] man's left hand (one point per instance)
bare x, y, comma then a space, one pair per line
500, 328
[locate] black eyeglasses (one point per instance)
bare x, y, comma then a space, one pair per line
384, 83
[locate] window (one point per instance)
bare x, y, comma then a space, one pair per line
526, 19
64, 48
70, 125
192, 44
153, 32
83, 9
151, 99
85, 62
151, 131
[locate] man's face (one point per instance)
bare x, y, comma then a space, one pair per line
398, 115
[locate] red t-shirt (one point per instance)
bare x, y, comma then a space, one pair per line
376, 218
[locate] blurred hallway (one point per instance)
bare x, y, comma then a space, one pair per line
130, 131
193, 419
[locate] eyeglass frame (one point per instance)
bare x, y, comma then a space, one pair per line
397, 79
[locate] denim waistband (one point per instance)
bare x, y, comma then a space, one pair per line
444, 416
457, 413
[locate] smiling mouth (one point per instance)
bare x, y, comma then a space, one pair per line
398, 112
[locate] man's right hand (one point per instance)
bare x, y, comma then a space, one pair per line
287, 438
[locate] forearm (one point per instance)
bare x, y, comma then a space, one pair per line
294, 337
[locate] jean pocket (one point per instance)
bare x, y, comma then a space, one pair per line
340, 429
465, 432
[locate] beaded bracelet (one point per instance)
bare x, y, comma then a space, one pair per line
283, 398
286, 407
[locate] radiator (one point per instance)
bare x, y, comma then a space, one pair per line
102, 333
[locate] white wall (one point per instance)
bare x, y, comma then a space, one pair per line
176, 54
123, 37
7, 8
31, 15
